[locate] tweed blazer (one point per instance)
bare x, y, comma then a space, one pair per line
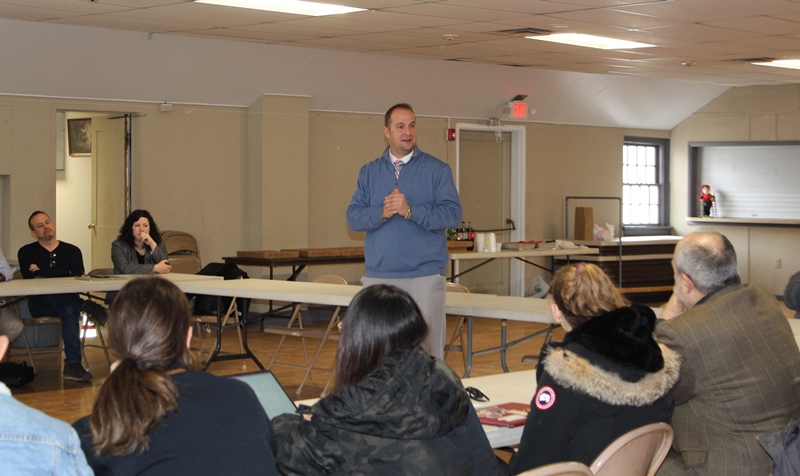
739, 378
126, 262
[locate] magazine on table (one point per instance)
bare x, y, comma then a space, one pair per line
505, 414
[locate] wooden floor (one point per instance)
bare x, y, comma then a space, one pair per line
69, 401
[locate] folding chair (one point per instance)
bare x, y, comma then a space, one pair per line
33, 326
211, 321
331, 332
183, 251
568, 468
87, 321
639, 452
458, 333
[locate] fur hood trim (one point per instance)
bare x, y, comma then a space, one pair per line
578, 373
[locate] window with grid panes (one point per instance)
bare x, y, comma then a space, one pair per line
644, 189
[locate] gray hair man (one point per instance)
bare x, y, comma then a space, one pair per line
740, 371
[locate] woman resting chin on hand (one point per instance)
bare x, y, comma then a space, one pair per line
139, 249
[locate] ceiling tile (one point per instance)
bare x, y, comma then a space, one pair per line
714, 34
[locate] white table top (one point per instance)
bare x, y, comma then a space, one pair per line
473, 255
513, 308
511, 387
634, 240
471, 304
268, 289
86, 284
34, 287
500, 388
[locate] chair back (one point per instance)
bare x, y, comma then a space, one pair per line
566, 468
183, 251
639, 452
329, 279
455, 288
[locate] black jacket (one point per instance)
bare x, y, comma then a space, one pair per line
606, 378
411, 417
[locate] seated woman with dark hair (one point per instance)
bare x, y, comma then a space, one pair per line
154, 414
394, 410
607, 377
138, 249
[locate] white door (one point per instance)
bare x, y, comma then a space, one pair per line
108, 187
484, 188
490, 179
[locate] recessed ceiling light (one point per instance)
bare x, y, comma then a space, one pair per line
296, 7
590, 41
791, 64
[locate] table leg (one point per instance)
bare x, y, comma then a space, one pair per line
218, 343
503, 345
243, 327
468, 367
296, 270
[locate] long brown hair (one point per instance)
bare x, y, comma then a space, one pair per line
584, 291
147, 329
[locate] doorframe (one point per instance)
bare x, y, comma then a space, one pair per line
516, 268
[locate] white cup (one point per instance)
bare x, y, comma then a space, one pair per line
480, 242
493, 245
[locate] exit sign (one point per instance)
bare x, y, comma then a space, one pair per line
519, 110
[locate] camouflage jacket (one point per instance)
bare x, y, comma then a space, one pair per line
411, 417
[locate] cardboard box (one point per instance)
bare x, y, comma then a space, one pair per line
584, 223
316, 252
267, 254
352, 251
454, 246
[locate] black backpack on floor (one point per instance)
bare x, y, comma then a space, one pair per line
15, 375
207, 305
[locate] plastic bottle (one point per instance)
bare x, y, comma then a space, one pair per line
470, 232
461, 232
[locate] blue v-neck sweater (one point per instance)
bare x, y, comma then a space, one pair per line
400, 248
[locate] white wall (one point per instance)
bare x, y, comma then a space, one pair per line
56, 60
756, 113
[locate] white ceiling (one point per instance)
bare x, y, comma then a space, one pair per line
700, 41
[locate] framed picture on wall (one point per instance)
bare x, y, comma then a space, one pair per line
80, 137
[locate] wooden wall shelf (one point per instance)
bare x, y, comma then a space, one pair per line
778, 222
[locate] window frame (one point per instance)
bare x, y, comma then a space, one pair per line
662, 181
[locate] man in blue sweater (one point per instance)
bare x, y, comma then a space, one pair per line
406, 200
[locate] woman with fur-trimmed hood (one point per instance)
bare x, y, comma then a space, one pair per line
607, 377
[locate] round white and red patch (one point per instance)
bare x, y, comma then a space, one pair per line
545, 398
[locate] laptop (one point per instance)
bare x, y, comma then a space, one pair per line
269, 391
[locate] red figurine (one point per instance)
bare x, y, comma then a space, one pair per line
706, 199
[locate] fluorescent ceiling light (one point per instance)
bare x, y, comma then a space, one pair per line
296, 7
791, 64
590, 41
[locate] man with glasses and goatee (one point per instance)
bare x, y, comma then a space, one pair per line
49, 258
